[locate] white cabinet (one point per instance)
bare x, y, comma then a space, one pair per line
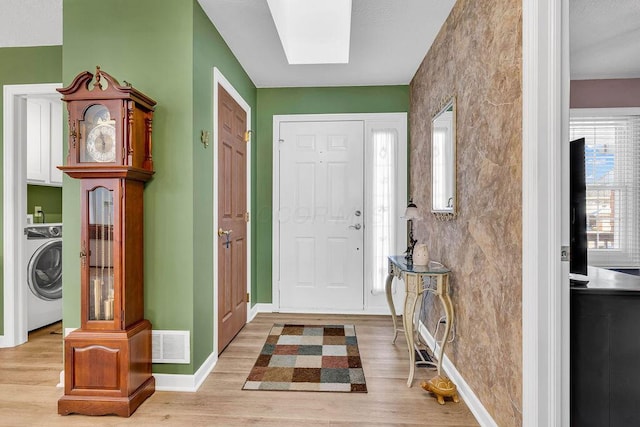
44, 141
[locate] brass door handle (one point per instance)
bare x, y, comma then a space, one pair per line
222, 232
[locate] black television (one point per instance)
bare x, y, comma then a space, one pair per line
578, 211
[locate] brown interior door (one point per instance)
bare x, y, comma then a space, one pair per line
232, 220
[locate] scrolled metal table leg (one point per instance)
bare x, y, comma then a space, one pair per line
387, 289
445, 300
409, 310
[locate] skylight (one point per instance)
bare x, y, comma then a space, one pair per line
313, 31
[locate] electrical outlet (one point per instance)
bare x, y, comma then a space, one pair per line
37, 211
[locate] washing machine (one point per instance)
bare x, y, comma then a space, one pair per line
43, 258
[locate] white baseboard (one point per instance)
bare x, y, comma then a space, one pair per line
176, 382
259, 308
191, 383
186, 383
472, 401
171, 382
372, 310
67, 331
319, 311
384, 311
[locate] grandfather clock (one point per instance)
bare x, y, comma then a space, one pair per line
108, 360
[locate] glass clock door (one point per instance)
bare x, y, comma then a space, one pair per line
101, 272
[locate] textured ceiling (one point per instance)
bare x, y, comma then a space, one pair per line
30, 23
605, 39
389, 39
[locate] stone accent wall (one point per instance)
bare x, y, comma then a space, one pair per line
477, 57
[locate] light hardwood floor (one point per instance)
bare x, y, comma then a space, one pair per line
28, 396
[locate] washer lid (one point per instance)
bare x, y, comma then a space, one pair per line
44, 272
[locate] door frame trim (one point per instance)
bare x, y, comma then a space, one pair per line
545, 219
219, 78
14, 207
367, 119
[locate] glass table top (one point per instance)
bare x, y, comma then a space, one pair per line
432, 268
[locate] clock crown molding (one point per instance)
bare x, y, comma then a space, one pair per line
79, 89
111, 171
110, 125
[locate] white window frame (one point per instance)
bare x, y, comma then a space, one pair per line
612, 257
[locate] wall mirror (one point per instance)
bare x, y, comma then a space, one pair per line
443, 162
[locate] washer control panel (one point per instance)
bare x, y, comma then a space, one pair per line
44, 231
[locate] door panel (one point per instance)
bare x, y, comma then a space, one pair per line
321, 188
232, 207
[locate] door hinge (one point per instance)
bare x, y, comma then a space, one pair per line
246, 216
248, 297
247, 135
565, 253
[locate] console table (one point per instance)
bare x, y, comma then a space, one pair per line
413, 277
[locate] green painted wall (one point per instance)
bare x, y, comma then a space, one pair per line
361, 99
49, 198
148, 43
25, 65
209, 50
167, 49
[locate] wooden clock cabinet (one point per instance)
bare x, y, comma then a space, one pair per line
108, 359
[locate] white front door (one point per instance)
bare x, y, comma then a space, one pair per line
321, 215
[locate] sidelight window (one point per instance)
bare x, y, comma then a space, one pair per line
384, 218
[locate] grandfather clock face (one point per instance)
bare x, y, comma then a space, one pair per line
97, 136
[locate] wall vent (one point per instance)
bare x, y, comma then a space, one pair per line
170, 347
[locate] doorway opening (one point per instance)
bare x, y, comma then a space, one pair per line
15, 206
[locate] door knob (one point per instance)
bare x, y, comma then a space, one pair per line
357, 226
222, 232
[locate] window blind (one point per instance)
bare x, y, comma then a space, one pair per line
612, 172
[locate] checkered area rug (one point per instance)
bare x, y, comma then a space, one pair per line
309, 358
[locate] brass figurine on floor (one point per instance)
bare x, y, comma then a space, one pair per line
442, 387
